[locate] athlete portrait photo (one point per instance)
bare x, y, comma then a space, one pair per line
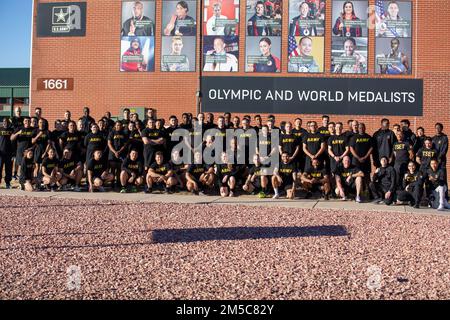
393, 19
307, 56
349, 56
138, 18
262, 54
350, 18
221, 18
221, 54
178, 54
137, 54
393, 56
307, 18
179, 18
264, 18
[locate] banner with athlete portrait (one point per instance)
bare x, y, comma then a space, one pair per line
306, 54
262, 54
349, 37
263, 41
179, 31
307, 18
306, 36
221, 35
393, 53
221, 53
138, 36
349, 55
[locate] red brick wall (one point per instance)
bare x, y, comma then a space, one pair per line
93, 61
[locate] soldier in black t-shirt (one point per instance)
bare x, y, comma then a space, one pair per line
383, 184
426, 154
154, 141
411, 187
94, 140
257, 180
160, 174
316, 178
6, 151
27, 178
403, 153
72, 140
23, 137
349, 179
435, 179
384, 139
97, 172
199, 176
132, 172
361, 147
337, 147
314, 145
290, 143
50, 170
285, 177
226, 176
323, 130
117, 142
71, 170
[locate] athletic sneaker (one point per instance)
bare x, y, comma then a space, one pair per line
201, 193
123, 190
101, 189
231, 194
261, 195
358, 199
441, 208
8, 186
77, 189
276, 196
376, 201
134, 189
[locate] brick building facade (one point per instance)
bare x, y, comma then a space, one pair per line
93, 62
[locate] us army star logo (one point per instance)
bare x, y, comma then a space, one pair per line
61, 15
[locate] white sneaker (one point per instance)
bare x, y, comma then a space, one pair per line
358, 199
276, 196
441, 208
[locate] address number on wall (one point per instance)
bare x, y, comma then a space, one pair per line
55, 84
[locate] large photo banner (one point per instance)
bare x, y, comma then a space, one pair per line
393, 37
221, 35
306, 40
179, 31
349, 37
343, 96
263, 41
137, 36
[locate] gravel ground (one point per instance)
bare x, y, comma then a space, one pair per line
173, 251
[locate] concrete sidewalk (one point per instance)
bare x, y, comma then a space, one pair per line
245, 200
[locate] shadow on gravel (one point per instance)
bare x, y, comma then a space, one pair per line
243, 233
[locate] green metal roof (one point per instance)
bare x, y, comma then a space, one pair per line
14, 77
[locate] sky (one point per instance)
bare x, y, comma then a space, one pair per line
15, 26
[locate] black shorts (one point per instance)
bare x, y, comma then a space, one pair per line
349, 187
257, 183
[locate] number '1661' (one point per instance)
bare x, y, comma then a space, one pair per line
55, 84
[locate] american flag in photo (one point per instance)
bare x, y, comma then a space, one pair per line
292, 45
379, 9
